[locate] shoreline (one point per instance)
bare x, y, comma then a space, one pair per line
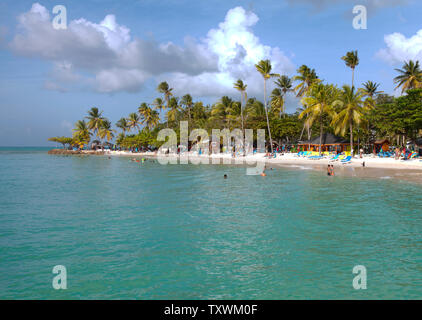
377, 168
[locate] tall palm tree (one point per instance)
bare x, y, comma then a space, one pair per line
173, 109
165, 89
95, 120
188, 103
369, 90
123, 125
106, 131
306, 77
264, 68
410, 76
277, 101
352, 60
319, 102
351, 113
81, 132
240, 86
133, 121
285, 84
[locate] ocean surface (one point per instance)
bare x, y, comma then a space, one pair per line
126, 230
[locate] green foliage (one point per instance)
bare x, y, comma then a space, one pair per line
63, 140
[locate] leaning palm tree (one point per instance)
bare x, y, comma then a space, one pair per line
285, 84
133, 121
277, 101
106, 131
410, 76
95, 120
352, 111
123, 125
319, 102
352, 60
165, 89
264, 68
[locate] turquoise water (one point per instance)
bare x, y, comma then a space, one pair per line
126, 230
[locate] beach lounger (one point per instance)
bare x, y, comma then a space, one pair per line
348, 159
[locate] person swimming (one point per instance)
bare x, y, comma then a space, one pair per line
225, 176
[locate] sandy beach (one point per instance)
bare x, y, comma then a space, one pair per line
375, 167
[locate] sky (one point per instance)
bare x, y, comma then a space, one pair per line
113, 54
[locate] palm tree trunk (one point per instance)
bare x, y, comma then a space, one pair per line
243, 127
351, 138
353, 77
320, 134
266, 113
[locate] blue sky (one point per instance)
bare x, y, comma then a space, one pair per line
49, 79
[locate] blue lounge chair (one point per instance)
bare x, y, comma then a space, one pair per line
347, 159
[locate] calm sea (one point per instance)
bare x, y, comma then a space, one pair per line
126, 230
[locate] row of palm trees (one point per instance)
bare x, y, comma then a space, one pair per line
345, 107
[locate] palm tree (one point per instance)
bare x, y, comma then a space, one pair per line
106, 131
149, 117
319, 102
264, 68
352, 60
370, 89
81, 133
188, 103
410, 76
241, 87
352, 112
95, 120
174, 108
277, 101
165, 89
285, 84
133, 121
306, 77
222, 109
123, 125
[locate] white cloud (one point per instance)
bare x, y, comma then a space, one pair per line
400, 49
105, 57
114, 80
238, 50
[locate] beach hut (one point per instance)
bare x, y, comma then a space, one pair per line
330, 142
382, 144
